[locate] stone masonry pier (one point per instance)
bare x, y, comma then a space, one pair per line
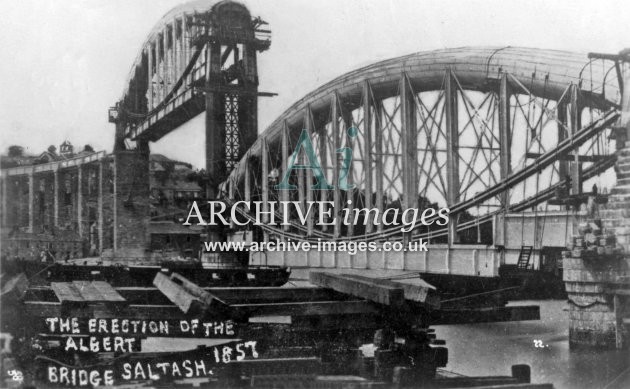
597, 269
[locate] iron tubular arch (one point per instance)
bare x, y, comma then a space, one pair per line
550, 75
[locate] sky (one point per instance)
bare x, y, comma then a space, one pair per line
65, 62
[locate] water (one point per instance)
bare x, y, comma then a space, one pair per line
491, 348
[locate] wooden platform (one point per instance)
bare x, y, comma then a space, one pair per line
306, 330
86, 292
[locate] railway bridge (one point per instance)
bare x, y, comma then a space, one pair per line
504, 137
492, 133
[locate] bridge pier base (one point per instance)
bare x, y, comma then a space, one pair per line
131, 202
597, 271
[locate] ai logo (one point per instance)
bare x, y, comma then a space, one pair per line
313, 164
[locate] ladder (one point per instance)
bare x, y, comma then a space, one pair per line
524, 256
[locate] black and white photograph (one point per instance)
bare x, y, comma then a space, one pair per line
315, 194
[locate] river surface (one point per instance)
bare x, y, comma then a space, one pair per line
491, 348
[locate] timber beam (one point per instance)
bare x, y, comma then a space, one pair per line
382, 291
385, 294
136, 295
189, 297
170, 311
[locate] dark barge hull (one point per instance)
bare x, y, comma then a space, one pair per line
122, 275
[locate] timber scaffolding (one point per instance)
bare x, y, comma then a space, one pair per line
348, 331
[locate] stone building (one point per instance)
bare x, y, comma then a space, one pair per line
55, 201
64, 202
171, 186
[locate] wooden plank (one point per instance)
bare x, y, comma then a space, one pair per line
245, 294
271, 294
421, 293
14, 288
42, 309
514, 386
87, 291
211, 303
370, 289
66, 292
93, 291
107, 292
312, 308
486, 383
174, 312
185, 301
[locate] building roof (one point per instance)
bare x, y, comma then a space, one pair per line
159, 158
170, 228
45, 156
162, 159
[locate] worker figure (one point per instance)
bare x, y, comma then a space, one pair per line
591, 206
